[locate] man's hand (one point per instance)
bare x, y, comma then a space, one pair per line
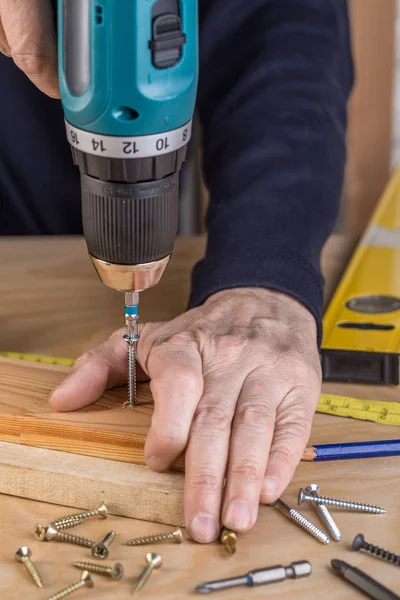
235, 382
27, 34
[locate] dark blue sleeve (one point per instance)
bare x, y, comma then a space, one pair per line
275, 77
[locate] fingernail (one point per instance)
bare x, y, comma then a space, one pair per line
269, 486
238, 515
203, 528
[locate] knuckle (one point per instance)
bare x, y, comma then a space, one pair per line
285, 453
183, 339
206, 480
211, 417
248, 470
171, 439
31, 64
256, 416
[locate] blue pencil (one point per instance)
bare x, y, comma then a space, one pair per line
352, 450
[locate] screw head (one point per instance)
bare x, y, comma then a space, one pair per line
50, 532
358, 542
154, 559
23, 552
87, 578
40, 532
302, 496
177, 534
102, 510
117, 571
313, 487
100, 551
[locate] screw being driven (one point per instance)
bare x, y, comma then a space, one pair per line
23, 555
51, 533
302, 521
172, 536
325, 515
87, 514
359, 543
115, 572
102, 549
131, 337
356, 506
154, 561
85, 580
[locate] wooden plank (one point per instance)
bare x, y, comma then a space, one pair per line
370, 110
82, 481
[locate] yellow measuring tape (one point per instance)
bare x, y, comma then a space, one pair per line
386, 413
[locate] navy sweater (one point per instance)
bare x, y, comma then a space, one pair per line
275, 76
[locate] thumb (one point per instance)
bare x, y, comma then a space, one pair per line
31, 39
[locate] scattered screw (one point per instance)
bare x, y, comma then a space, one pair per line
302, 521
102, 549
356, 506
39, 528
173, 536
359, 543
23, 555
154, 561
325, 515
85, 580
51, 533
87, 514
115, 572
229, 539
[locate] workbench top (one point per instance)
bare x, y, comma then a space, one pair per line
52, 303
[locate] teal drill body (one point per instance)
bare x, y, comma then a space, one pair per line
128, 72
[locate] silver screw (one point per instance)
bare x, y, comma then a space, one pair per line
154, 561
23, 555
115, 572
51, 533
102, 549
173, 536
325, 515
302, 521
85, 580
356, 506
87, 514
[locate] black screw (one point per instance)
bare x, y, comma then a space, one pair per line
359, 543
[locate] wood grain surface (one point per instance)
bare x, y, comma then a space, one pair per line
69, 311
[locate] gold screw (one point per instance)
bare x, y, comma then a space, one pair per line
51, 533
173, 536
85, 580
23, 555
87, 514
39, 528
115, 572
154, 561
229, 539
102, 549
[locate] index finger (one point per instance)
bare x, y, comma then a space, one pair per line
31, 37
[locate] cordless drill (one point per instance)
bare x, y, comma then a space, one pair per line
128, 73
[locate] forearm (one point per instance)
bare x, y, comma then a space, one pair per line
275, 79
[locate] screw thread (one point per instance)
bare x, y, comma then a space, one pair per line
356, 506
74, 517
151, 539
389, 556
74, 539
67, 591
309, 526
66, 523
30, 567
93, 567
110, 537
143, 577
329, 522
132, 374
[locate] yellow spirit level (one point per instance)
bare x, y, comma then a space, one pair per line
361, 341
